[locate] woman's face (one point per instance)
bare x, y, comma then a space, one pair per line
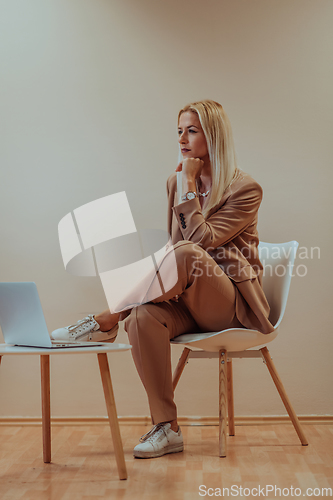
192, 139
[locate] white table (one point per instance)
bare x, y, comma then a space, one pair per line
101, 352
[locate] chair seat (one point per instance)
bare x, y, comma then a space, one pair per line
233, 339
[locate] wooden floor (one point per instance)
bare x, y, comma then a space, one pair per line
83, 465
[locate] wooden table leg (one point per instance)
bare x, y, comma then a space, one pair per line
223, 403
46, 407
112, 413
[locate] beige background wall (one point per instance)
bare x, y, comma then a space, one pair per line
90, 91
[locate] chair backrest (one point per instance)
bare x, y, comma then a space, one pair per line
278, 261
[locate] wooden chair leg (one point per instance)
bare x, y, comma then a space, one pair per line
223, 403
180, 367
231, 420
278, 383
46, 407
112, 414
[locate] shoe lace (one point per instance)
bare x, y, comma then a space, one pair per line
154, 433
82, 324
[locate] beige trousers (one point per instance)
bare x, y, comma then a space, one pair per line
206, 303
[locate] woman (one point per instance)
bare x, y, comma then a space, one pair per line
212, 220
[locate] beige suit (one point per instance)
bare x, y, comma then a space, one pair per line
219, 284
230, 236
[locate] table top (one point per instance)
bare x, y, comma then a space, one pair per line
103, 348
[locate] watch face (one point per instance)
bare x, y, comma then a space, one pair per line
190, 195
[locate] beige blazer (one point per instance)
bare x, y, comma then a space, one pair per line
229, 234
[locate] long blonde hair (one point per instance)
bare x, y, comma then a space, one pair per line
220, 144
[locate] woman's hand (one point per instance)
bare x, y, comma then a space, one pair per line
191, 168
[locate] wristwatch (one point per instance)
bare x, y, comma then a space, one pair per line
190, 195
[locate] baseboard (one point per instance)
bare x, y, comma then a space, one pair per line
245, 420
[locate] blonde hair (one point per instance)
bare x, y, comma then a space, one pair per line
220, 144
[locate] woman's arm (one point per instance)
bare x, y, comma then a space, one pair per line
237, 212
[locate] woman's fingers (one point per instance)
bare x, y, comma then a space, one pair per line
192, 167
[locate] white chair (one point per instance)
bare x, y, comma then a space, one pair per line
278, 261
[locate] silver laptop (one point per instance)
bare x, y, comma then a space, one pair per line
22, 320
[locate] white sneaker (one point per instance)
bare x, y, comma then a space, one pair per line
85, 329
160, 440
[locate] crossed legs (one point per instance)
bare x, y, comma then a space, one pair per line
205, 302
